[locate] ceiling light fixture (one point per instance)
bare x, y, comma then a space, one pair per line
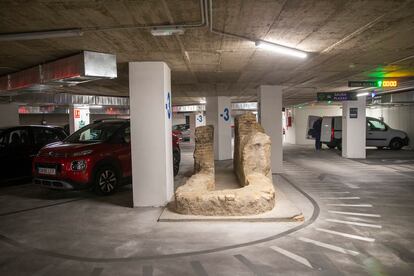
281, 49
166, 31
362, 94
40, 35
203, 101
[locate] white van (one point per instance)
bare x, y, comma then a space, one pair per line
378, 134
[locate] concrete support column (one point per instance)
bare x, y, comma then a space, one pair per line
218, 113
9, 115
354, 128
196, 119
78, 117
270, 117
151, 137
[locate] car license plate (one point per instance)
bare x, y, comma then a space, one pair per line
48, 171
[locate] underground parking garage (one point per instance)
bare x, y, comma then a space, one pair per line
206, 137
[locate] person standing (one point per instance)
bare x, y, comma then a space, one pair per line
317, 126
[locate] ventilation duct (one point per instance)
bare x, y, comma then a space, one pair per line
65, 99
83, 67
395, 98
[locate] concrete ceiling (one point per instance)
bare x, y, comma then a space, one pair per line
352, 39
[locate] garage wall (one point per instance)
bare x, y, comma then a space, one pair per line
51, 119
297, 133
59, 119
94, 117
398, 117
178, 119
9, 115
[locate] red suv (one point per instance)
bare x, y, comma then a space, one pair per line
97, 156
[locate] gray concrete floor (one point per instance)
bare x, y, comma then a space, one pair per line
358, 221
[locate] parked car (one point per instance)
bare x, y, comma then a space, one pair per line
378, 134
182, 131
97, 156
19, 144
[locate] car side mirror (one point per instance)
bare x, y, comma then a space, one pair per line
126, 139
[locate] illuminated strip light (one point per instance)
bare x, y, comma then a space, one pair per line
281, 49
362, 94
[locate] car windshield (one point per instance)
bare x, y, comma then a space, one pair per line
98, 132
376, 125
180, 127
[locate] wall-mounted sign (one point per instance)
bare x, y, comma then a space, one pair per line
77, 113
388, 83
362, 84
353, 112
225, 114
80, 118
168, 105
199, 119
336, 96
377, 83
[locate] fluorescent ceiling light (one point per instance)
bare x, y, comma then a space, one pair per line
166, 31
203, 101
281, 49
362, 94
95, 106
40, 35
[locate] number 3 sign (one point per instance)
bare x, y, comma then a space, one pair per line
225, 115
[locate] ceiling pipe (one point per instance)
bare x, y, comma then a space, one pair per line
80, 31
41, 35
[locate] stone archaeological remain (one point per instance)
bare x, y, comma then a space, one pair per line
251, 166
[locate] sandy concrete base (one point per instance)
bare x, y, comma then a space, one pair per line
284, 211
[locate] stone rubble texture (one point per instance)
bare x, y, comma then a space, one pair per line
251, 166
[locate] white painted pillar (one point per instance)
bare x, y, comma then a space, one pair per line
78, 117
218, 113
196, 119
354, 128
9, 115
270, 117
151, 146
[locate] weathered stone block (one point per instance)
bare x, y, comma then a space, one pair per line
251, 165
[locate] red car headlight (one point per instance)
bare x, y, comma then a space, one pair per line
78, 165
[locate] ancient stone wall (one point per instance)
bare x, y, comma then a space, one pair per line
204, 152
251, 165
244, 127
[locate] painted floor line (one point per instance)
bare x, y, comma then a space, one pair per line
330, 246
252, 267
355, 214
355, 223
337, 192
97, 271
345, 197
293, 256
356, 237
147, 270
352, 186
357, 219
351, 205
198, 268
